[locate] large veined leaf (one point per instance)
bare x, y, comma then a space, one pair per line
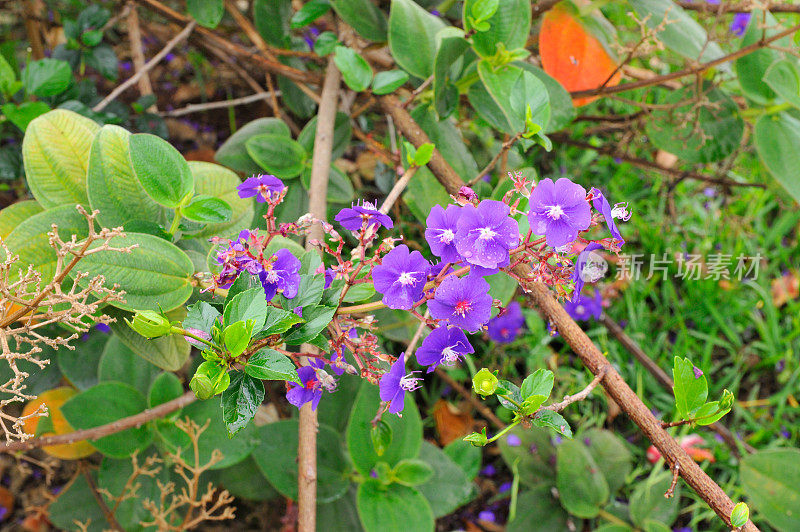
513, 90
29, 239
155, 275
581, 485
167, 352
510, 25
111, 183
447, 138
682, 33
15, 214
160, 168
219, 182
446, 65
771, 480
783, 77
393, 508
278, 155
233, 152
412, 37
750, 68
55, 152
776, 138
562, 112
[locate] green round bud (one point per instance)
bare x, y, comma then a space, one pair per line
202, 386
726, 402
484, 382
150, 324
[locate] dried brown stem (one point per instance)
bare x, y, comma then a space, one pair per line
580, 396
137, 53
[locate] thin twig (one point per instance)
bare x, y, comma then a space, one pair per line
398, 189
580, 396
222, 104
741, 7
146, 68
109, 515
488, 168
676, 474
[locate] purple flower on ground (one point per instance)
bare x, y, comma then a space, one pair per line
513, 440
465, 302
309, 391
395, 383
739, 23
440, 232
488, 471
601, 205
401, 277
588, 268
262, 186
505, 328
505, 486
362, 214
486, 233
697, 372
444, 345
585, 308
487, 515
103, 328
558, 211
282, 274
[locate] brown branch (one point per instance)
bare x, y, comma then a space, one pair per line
741, 7
540, 7
500, 154
137, 53
580, 396
318, 207
398, 189
691, 71
109, 515
31, 9
114, 427
552, 311
222, 104
676, 473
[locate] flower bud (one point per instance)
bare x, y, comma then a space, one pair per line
484, 382
150, 324
726, 402
202, 386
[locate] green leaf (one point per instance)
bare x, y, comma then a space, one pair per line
537, 505
164, 388
317, 319
8, 79
446, 65
311, 11
210, 379
80, 365
162, 171
46, 77
206, 209
241, 400
510, 25
464, 455
279, 439
271, 19
112, 478
201, 316
690, 391
77, 504
783, 77
513, 90
214, 180
23, 114
720, 127
168, 352
248, 305
381, 435
233, 152
681, 34
771, 479
342, 132
562, 112
538, 383
392, 508
55, 152
29, 239
278, 321
412, 472
356, 72
583, 490
268, 364
388, 81
483, 9
649, 504
611, 456
207, 13
709, 413
740, 515
237, 337
15, 214
775, 138
412, 37
156, 275
449, 487
751, 68
102, 404
120, 364
364, 17
241, 481
92, 38
234, 449
406, 431
111, 184
278, 155
553, 420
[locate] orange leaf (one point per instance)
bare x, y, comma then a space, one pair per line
451, 423
55, 399
574, 55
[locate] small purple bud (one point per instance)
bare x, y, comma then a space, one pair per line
298, 311
697, 372
103, 328
373, 474
513, 440
489, 471
780, 365
486, 515
467, 193
505, 486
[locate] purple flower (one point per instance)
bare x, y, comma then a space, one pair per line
505, 328
505, 486
513, 440
262, 186
444, 345
330, 275
395, 383
740, 22
363, 215
465, 302
487, 515
309, 391
486, 233
601, 205
697, 372
282, 274
103, 328
488, 471
585, 308
441, 232
559, 211
588, 268
401, 277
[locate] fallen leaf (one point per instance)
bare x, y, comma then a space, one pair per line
451, 422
